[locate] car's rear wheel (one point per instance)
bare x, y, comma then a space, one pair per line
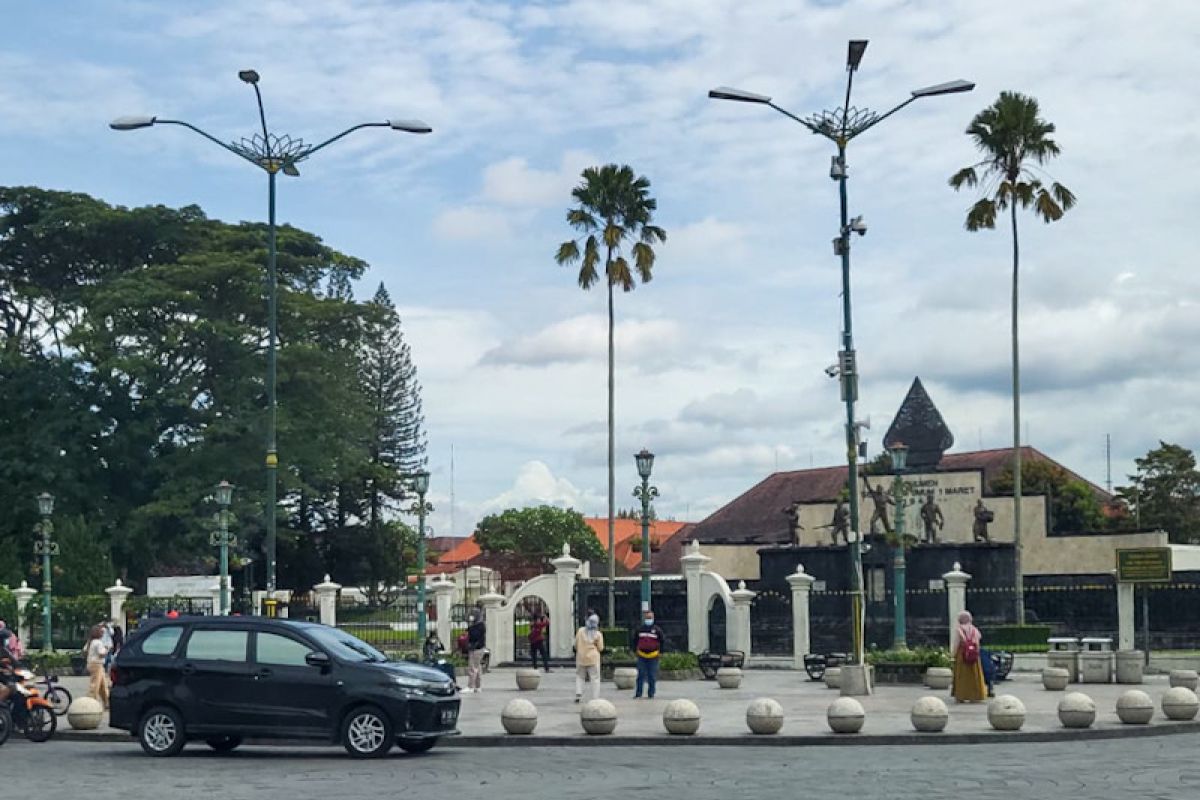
224, 744
418, 745
367, 732
161, 732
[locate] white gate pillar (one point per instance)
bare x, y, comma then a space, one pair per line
1125, 616
697, 606
499, 621
327, 592
562, 617
443, 594
801, 583
737, 631
956, 596
23, 594
118, 593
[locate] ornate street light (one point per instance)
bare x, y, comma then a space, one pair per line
273, 154
223, 539
840, 125
44, 547
420, 485
645, 493
900, 496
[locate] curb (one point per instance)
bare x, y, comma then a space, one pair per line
748, 739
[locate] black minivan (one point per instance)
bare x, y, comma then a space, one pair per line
224, 679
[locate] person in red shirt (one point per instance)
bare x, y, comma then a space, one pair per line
539, 643
648, 642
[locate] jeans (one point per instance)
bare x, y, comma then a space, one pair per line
647, 669
989, 668
541, 648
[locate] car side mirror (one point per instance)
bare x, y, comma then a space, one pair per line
318, 659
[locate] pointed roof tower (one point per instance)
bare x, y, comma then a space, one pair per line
919, 425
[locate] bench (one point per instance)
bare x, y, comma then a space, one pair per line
711, 662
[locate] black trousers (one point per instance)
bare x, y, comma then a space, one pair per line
540, 648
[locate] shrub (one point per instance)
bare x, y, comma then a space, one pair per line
1009, 636
618, 656
41, 662
925, 656
678, 661
615, 638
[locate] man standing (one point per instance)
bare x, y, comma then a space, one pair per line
648, 643
538, 645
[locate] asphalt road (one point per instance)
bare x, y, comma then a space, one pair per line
1137, 768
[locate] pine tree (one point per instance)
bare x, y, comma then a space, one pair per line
397, 447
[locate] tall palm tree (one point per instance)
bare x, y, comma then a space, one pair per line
614, 215
1016, 142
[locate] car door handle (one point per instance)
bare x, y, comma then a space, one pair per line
188, 669
263, 673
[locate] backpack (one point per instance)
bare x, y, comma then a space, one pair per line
970, 652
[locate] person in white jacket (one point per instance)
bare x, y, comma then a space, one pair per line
589, 644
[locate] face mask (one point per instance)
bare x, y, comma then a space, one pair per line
649, 621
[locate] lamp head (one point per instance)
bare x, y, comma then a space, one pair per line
248, 76
224, 494
899, 452
854, 53
46, 504
409, 126
132, 123
645, 462
420, 482
950, 87
740, 95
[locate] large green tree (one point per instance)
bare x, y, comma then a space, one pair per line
1073, 504
1165, 493
614, 217
538, 534
1016, 142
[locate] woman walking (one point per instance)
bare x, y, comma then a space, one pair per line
589, 644
476, 647
968, 685
95, 652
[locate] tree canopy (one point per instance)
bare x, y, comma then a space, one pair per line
538, 533
1074, 506
1165, 493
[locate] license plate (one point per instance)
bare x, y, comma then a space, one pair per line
449, 716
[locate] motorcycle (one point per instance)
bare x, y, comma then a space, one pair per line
29, 712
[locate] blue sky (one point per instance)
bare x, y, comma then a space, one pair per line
720, 358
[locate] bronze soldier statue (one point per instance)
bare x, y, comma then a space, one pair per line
983, 516
792, 512
840, 525
933, 519
881, 500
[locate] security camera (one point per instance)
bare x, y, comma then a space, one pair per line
833, 370
837, 170
858, 226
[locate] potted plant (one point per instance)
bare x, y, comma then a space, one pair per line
905, 665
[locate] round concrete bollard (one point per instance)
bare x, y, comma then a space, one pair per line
846, 715
1135, 707
1187, 678
528, 680
1006, 713
681, 717
939, 677
1180, 704
929, 715
598, 717
519, 717
1076, 710
764, 716
1055, 679
833, 678
625, 677
85, 713
729, 677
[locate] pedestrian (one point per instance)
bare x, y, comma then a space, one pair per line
648, 643
538, 640
476, 646
118, 641
95, 652
15, 648
989, 670
968, 685
589, 644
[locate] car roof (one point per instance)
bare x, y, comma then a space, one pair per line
203, 620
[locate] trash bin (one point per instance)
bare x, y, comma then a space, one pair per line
1064, 653
1129, 666
1096, 660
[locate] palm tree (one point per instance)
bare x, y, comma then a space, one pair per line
1015, 142
614, 211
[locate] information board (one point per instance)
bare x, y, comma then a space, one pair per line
1144, 565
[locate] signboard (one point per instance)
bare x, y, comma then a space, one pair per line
1144, 565
191, 586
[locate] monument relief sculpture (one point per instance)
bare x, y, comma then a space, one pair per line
881, 499
792, 512
932, 518
983, 516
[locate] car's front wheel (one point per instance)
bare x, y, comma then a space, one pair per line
418, 745
367, 732
161, 732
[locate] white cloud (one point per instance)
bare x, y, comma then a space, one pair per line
472, 223
512, 182
535, 484
585, 338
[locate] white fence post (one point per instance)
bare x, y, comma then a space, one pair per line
327, 594
118, 593
23, 594
562, 623
956, 595
737, 633
499, 622
801, 583
697, 611
443, 593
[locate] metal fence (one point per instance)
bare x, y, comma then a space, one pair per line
387, 626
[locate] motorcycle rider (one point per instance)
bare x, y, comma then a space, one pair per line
7, 664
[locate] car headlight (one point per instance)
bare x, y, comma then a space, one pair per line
413, 684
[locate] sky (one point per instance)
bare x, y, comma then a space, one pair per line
720, 359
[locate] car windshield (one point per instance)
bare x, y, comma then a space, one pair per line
344, 646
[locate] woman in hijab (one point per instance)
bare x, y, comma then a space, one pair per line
589, 644
968, 685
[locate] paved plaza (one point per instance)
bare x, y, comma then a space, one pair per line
804, 702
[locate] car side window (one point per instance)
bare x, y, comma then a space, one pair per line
162, 642
207, 644
281, 651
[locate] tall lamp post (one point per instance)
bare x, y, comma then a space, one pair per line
420, 485
840, 126
901, 497
46, 548
272, 153
645, 493
221, 538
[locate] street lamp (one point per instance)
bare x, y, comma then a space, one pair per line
901, 498
272, 153
420, 485
645, 493
46, 548
840, 126
221, 538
